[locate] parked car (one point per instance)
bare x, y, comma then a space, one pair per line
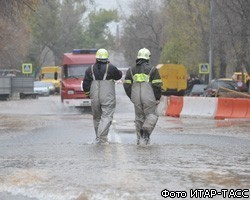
41, 88
218, 87
198, 90
52, 87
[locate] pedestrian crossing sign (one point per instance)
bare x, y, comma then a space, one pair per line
27, 68
204, 68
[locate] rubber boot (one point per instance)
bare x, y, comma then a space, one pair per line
140, 137
146, 137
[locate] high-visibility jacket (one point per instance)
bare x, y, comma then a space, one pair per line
143, 84
141, 73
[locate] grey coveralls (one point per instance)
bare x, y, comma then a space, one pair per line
146, 117
102, 95
143, 86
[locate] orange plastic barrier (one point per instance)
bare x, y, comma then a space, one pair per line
248, 109
175, 106
224, 108
240, 107
233, 108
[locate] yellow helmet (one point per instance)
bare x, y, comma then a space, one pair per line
144, 54
102, 54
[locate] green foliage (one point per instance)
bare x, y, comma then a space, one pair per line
60, 26
187, 33
172, 53
32, 58
71, 33
46, 28
97, 33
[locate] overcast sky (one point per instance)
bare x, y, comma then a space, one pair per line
109, 4
113, 4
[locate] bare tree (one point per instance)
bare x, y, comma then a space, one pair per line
181, 28
12, 9
144, 28
233, 34
15, 32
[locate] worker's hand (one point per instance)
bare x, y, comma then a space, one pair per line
87, 94
157, 102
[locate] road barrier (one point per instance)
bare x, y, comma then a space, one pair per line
208, 107
161, 108
233, 108
204, 107
174, 107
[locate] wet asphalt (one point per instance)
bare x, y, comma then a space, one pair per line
46, 153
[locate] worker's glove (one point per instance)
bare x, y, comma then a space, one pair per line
87, 94
157, 102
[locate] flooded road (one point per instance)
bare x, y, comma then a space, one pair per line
46, 153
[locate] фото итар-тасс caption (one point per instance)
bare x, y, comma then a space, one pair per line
206, 193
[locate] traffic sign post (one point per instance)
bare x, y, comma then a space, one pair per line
27, 68
204, 68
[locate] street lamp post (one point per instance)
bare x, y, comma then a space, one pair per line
211, 32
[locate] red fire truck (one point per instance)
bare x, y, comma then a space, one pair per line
73, 69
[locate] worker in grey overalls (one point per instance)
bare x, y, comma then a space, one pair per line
142, 85
99, 85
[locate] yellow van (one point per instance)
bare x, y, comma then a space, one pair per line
174, 78
51, 74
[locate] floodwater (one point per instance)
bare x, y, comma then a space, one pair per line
46, 153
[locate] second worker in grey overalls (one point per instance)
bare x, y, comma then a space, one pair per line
142, 85
99, 84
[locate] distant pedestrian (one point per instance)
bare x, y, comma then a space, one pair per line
99, 84
142, 85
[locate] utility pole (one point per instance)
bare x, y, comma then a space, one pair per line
211, 34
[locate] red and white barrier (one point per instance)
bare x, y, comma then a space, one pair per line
174, 107
208, 107
199, 107
233, 108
